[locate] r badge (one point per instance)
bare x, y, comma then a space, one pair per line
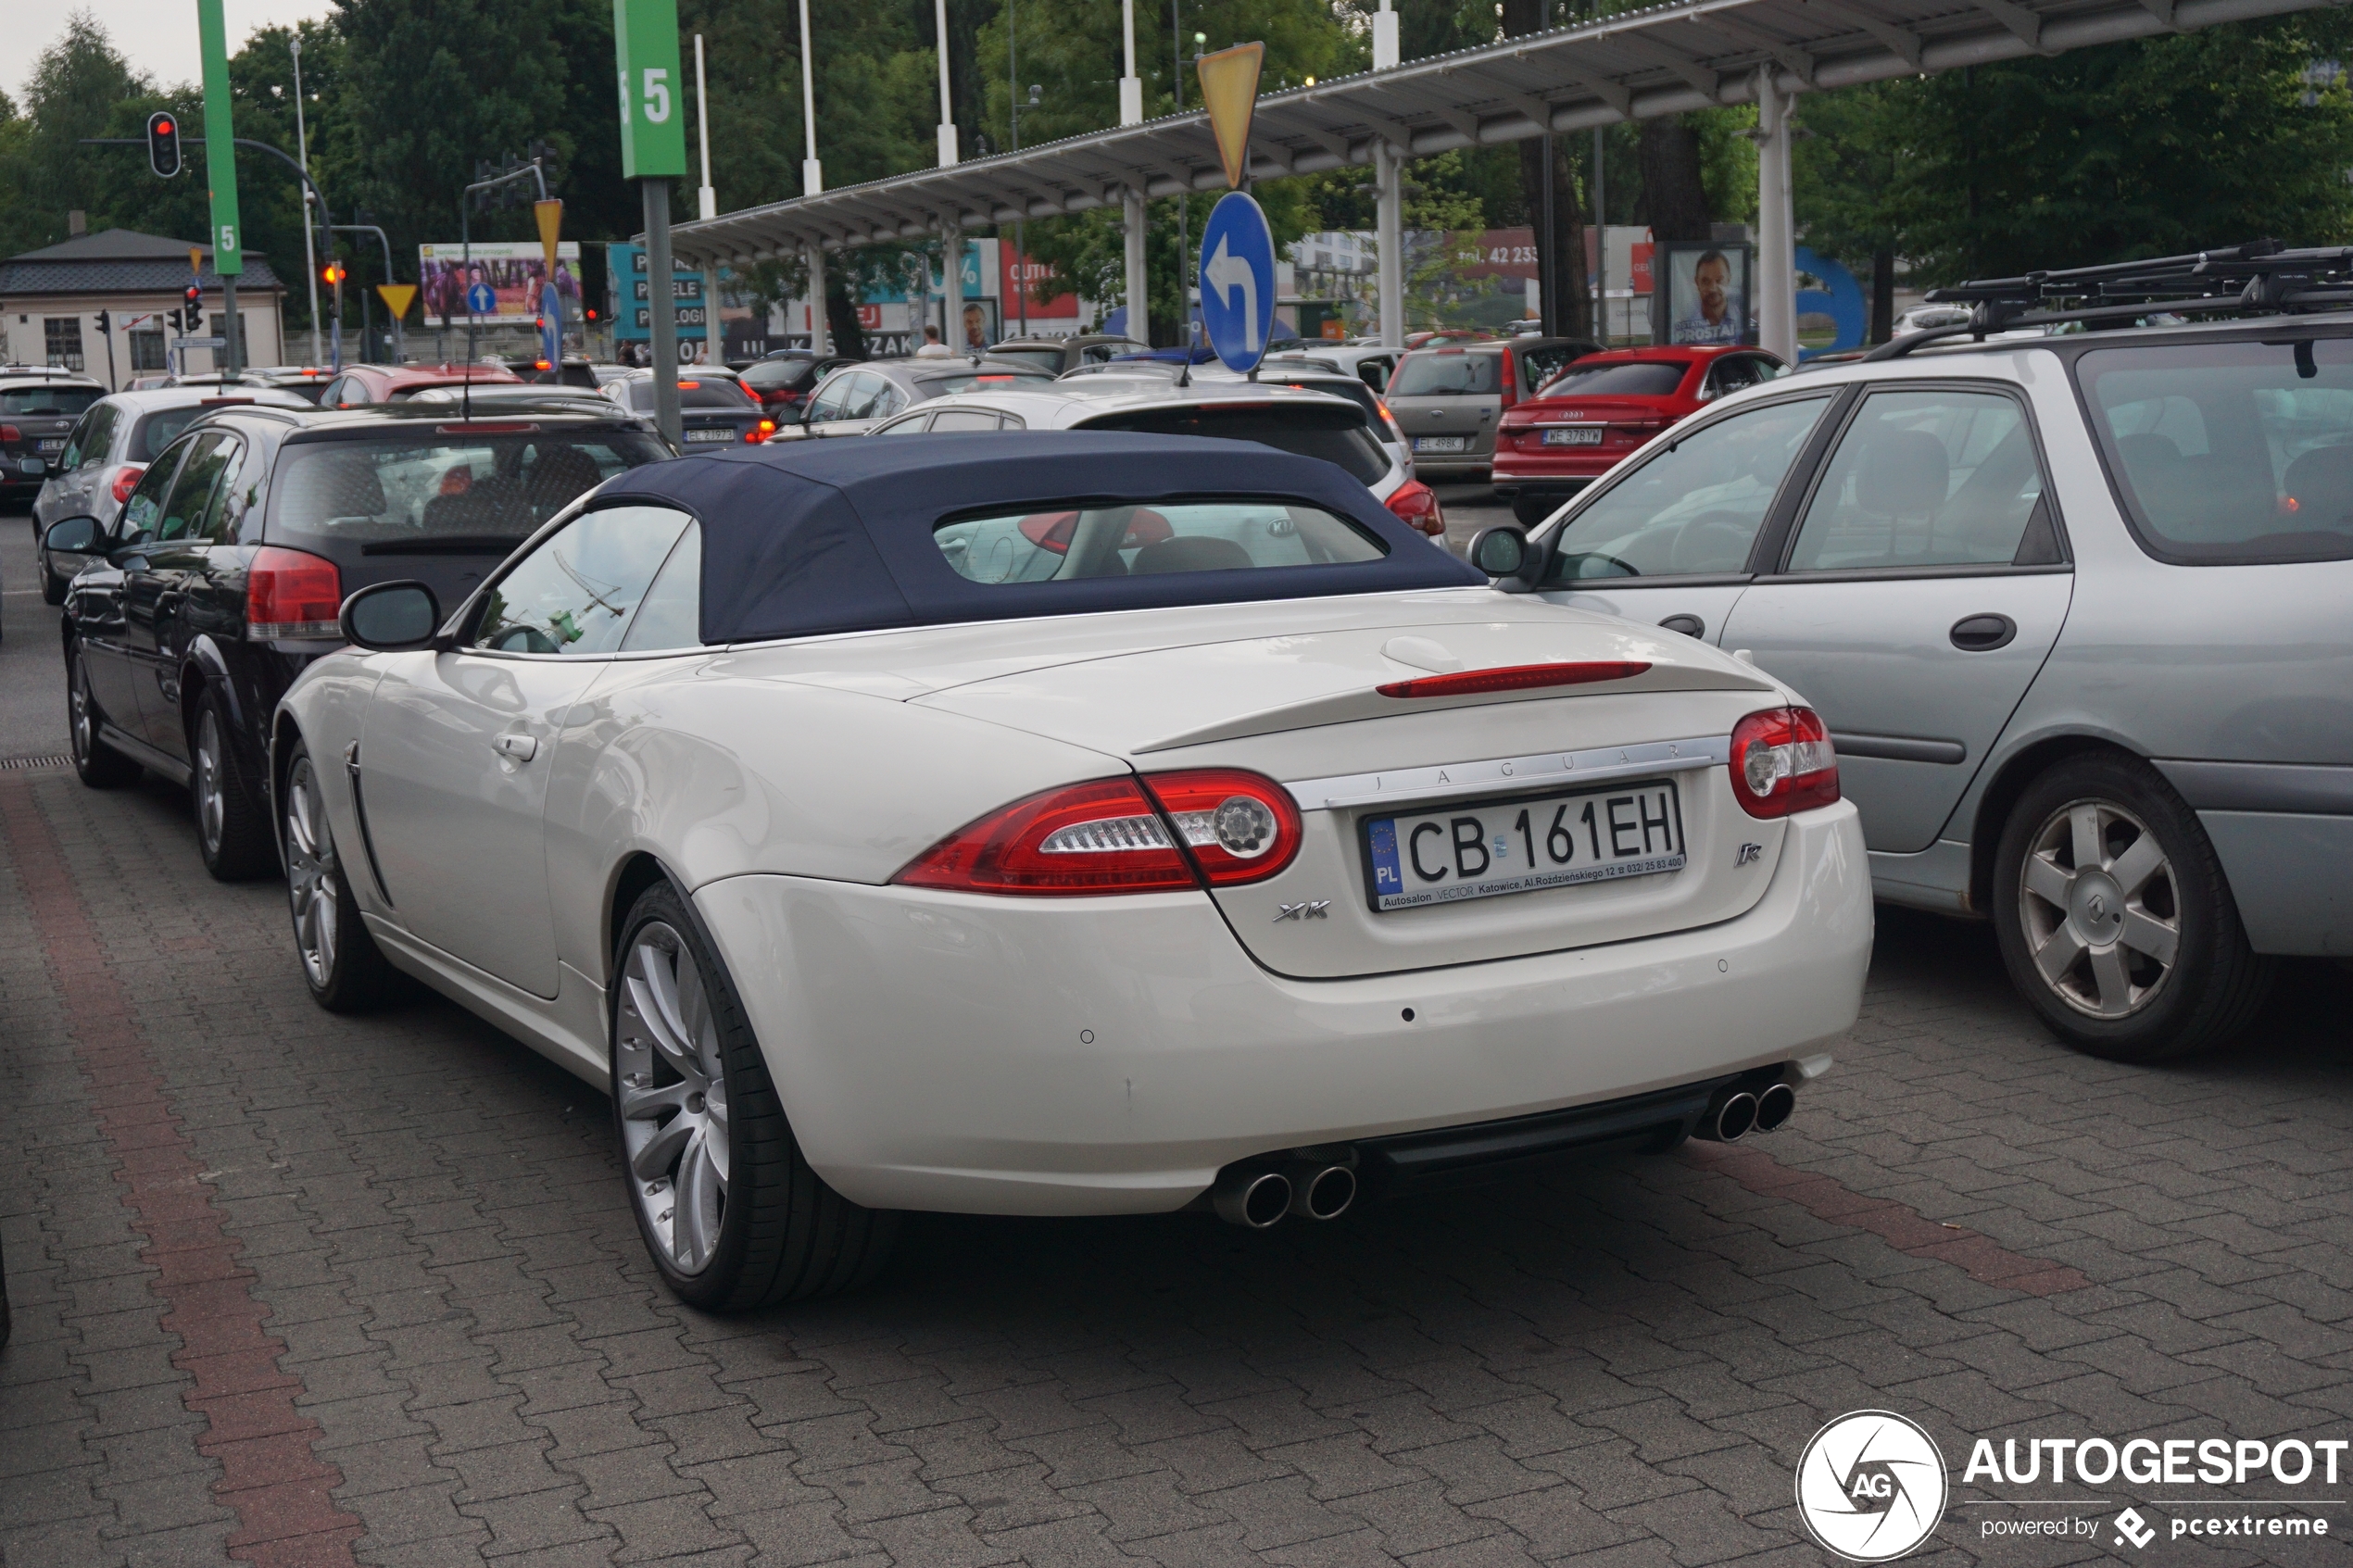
1747, 854
1312, 909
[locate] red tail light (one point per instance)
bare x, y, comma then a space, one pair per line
1516, 678
1110, 836
126, 479
760, 433
1782, 762
10, 432
290, 594
1415, 505
1511, 379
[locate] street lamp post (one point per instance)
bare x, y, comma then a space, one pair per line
302, 154
1131, 112
813, 179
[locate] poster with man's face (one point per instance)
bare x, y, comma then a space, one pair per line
1707, 294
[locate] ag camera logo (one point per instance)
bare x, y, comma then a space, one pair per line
1870, 1485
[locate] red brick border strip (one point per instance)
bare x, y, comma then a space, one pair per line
1902, 1227
280, 1490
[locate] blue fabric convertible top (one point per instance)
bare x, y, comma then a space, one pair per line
806, 537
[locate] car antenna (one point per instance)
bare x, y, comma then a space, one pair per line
1193, 336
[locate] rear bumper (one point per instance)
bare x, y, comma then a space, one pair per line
1011, 1056
2292, 876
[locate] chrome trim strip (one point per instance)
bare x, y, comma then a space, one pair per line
1401, 785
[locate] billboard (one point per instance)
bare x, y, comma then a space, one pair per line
513, 269
1706, 296
633, 311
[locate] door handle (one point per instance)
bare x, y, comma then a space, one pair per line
522, 749
1984, 633
1689, 625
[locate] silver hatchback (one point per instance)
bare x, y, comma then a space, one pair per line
2078, 611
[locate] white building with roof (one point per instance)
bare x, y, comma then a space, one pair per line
52, 300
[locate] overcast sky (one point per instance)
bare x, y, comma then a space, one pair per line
158, 36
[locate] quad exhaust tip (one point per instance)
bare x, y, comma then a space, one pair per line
1774, 1106
1257, 1198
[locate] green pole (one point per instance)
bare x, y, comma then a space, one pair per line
653, 152
220, 171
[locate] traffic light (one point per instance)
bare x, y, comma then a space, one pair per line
193, 295
172, 316
592, 313
334, 273
163, 144
105, 324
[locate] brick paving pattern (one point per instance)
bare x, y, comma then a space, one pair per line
419, 1262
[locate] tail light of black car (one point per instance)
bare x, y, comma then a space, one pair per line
1215, 827
291, 594
1783, 762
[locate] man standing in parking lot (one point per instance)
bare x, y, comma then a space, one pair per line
933, 349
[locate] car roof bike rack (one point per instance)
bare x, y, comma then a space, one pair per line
2259, 278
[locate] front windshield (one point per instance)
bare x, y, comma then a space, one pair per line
1068, 543
427, 492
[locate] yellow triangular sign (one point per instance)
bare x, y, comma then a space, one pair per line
1230, 91
550, 216
396, 297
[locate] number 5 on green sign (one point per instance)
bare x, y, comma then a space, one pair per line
653, 139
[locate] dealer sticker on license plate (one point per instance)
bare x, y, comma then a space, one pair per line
711, 435
1573, 435
1438, 442
1485, 848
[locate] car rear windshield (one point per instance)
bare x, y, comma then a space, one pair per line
2229, 453
308, 390
428, 493
1326, 381
989, 378
1335, 434
780, 375
1047, 360
38, 400
712, 393
1062, 545
1448, 373
1641, 378
158, 431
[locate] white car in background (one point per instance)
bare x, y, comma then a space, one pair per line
1063, 824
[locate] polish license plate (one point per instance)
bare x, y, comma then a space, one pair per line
1438, 442
1487, 848
54, 444
1573, 435
694, 435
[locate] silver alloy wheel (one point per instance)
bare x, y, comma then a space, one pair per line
673, 1088
2098, 904
84, 726
311, 873
212, 808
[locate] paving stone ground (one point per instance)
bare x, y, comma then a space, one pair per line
291, 1289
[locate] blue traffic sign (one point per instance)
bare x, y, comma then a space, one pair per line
551, 324
482, 300
1237, 281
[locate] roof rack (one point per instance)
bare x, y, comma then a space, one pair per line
2259, 278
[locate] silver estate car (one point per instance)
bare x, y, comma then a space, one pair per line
2078, 612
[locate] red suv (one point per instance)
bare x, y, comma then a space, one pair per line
1603, 407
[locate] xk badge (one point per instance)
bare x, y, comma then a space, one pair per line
1870, 1485
1748, 854
1311, 908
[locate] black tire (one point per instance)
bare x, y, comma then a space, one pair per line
52, 588
2120, 960
233, 832
95, 763
1529, 511
781, 1233
348, 973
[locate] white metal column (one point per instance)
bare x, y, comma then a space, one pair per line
1134, 211
947, 117
820, 330
1776, 301
706, 199
812, 172
1389, 226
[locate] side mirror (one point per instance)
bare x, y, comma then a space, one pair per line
32, 468
387, 616
72, 536
1501, 551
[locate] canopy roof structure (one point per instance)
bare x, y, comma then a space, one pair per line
1632, 66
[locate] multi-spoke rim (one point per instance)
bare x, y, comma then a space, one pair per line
2098, 902
672, 1082
212, 808
310, 868
84, 727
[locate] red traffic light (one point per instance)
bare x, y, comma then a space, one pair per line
334, 273
193, 295
163, 144
592, 313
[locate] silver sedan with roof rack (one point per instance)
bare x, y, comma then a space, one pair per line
2073, 605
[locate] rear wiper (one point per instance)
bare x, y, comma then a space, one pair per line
446, 544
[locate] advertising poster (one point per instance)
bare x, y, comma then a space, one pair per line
1707, 298
513, 269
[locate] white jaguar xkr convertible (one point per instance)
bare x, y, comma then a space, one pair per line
1066, 824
